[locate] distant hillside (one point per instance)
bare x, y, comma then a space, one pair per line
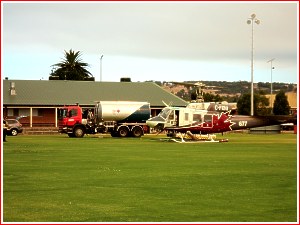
228, 91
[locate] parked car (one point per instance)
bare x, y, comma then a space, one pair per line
14, 127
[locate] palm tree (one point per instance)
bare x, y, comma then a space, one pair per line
71, 68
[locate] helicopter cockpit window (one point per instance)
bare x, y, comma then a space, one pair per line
165, 113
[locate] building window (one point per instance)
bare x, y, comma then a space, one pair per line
40, 112
12, 112
34, 112
24, 112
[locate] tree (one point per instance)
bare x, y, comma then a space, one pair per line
208, 97
260, 103
244, 104
71, 68
182, 94
281, 104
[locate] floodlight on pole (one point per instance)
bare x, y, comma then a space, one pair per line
101, 67
251, 21
271, 97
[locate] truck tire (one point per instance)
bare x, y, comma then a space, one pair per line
123, 131
137, 131
78, 132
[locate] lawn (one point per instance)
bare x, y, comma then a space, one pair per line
251, 178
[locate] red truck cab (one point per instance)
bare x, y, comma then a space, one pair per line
68, 117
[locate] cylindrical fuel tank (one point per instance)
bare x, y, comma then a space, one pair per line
122, 111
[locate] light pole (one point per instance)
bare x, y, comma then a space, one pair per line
271, 97
101, 68
251, 21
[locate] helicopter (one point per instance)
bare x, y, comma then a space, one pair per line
198, 120
195, 123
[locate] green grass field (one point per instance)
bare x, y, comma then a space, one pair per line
252, 178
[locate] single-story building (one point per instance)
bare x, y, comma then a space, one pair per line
39, 100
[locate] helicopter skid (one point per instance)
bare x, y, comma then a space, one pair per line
182, 141
198, 137
188, 137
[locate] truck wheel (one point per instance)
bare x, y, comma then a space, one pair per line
137, 131
123, 131
78, 132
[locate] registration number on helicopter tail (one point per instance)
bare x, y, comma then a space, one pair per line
243, 123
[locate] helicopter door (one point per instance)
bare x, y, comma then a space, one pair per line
173, 118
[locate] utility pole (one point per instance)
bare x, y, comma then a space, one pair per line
251, 21
101, 68
271, 97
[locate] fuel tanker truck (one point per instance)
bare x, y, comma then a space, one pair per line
119, 118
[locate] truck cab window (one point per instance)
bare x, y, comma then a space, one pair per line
72, 112
62, 113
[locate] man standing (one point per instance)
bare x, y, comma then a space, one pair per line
4, 130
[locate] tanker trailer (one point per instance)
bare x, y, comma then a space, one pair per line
120, 118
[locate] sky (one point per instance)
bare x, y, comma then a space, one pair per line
161, 41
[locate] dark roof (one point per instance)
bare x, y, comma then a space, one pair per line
58, 92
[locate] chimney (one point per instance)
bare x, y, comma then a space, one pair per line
125, 79
12, 88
